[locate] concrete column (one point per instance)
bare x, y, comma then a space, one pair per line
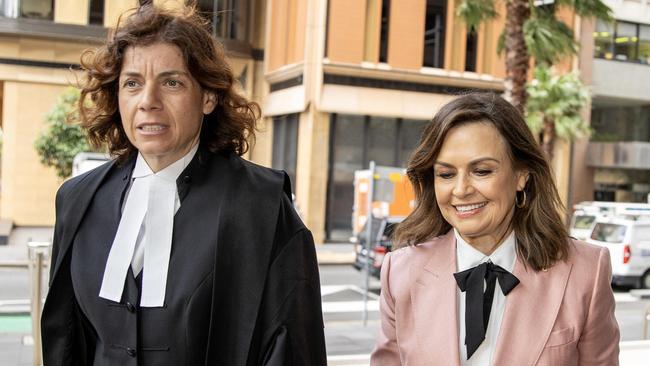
582, 176
406, 34
114, 8
28, 187
311, 170
71, 12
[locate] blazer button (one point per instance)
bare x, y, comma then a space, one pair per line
130, 307
131, 352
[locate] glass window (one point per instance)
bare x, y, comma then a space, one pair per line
471, 50
383, 40
285, 145
621, 123
644, 44
229, 18
9, 8
38, 9
355, 141
625, 42
604, 40
411, 130
583, 221
434, 34
609, 233
96, 12
347, 155
381, 140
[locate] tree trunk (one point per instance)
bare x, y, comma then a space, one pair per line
548, 137
517, 56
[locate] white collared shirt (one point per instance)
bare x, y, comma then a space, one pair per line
170, 173
466, 258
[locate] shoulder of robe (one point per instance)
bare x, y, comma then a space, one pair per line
73, 184
262, 178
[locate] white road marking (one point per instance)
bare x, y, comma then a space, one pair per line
348, 306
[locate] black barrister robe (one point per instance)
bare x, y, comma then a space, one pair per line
265, 307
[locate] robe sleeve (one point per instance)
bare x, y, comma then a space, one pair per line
291, 316
62, 332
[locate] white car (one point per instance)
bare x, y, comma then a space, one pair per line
628, 241
86, 161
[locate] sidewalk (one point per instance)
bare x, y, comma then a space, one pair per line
335, 253
16, 250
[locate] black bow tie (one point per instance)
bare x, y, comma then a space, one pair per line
478, 304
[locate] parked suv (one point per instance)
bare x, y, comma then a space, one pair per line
382, 230
628, 241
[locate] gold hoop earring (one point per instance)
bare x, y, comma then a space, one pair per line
523, 201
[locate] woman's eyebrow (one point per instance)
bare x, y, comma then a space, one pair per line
484, 159
166, 73
172, 73
473, 162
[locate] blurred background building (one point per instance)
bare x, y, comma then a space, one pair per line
619, 150
340, 82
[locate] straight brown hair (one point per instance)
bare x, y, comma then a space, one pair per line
542, 238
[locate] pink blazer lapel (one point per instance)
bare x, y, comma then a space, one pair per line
435, 306
530, 313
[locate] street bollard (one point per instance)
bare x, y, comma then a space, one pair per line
37, 252
646, 320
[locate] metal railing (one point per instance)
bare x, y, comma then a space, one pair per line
37, 254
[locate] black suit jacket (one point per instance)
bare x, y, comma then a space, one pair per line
266, 306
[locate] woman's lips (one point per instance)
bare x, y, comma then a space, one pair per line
152, 129
464, 211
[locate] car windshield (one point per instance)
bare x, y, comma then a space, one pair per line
609, 233
583, 221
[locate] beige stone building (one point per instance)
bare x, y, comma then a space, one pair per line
39, 42
340, 82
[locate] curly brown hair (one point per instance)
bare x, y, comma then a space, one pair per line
229, 128
542, 238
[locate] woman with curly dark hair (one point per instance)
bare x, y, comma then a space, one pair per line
177, 252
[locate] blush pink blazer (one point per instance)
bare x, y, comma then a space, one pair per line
559, 317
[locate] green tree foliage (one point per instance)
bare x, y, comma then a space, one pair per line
555, 103
63, 138
531, 31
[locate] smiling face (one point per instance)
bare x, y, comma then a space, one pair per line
160, 103
476, 184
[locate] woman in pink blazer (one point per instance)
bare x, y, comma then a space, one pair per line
487, 274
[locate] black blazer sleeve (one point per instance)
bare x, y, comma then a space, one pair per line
291, 320
62, 331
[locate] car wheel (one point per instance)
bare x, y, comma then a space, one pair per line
645, 280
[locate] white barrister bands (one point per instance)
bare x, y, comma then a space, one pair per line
119, 258
157, 241
144, 235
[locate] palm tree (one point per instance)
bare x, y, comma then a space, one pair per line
531, 30
554, 107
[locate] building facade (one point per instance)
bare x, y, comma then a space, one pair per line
614, 165
40, 40
341, 83
356, 81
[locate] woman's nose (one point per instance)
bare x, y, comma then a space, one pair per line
150, 98
462, 186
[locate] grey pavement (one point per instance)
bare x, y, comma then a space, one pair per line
349, 342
